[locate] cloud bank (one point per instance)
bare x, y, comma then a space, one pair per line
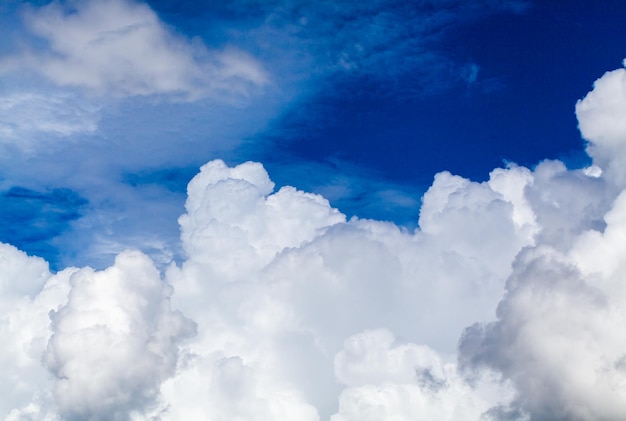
283, 309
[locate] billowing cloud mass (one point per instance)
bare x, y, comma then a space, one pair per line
283, 309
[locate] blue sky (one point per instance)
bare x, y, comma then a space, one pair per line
315, 211
362, 103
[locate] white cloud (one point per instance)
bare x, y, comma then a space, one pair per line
303, 315
122, 48
109, 338
114, 341
404, 381
557, 337
28, 292
601, 120
371, 358
276, 281
235, 227
557, 340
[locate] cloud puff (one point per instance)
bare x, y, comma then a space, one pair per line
122, 48
556, 339
108, 337
236, 227
114, 341
600, 118
553, 351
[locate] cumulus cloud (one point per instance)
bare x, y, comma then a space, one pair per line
109, 338
556, 337
600, 118
114, 341
284, 309
273, 279
122, 48
556, 340
278, 278
28, 291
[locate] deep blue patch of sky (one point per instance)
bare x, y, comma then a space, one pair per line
33, 219
524, 73
533, 67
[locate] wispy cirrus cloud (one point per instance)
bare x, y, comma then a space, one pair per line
378, 40
26, 118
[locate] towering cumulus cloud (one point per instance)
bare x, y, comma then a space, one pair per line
557, 334
506, 304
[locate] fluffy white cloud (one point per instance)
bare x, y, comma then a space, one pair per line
276, 281
109, 338
114, 341
601, 121
303, 315
557, 337
234, 226
28, 292
122, 48
566, 203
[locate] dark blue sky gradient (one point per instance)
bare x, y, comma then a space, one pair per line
427, 86
32, 219
534, 66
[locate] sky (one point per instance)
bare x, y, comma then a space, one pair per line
332, 210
